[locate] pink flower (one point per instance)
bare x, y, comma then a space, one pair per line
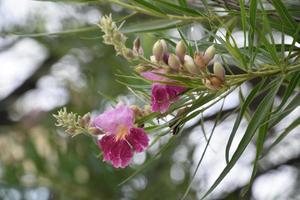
121, 139
162, 96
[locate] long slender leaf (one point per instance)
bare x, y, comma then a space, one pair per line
258, 117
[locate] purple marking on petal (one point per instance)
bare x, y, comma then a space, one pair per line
119, 153
159, 98
111, 121
174, 92
138, 139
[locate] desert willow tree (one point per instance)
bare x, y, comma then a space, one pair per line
188, 76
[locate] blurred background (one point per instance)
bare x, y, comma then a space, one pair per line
41, 73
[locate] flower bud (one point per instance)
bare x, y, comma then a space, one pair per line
153, 59
174, 62
213, 83
139, 69
137, 111
129, 54
147, 110
219, 71
137, 48
180, 50
95, 131
159, 49
209, 54
189, 65
85, 120
199, 60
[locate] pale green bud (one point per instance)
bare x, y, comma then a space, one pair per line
219, 71
180, 50
189, 65
158, 50
174, 62
209, 54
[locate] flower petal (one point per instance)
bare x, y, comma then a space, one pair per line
119, 153
174, 92
138, 139
159, 98
110, 121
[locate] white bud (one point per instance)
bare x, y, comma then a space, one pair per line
159, 49
153, 59
219, 71
174, 62
180, 50
189, 65
209, 54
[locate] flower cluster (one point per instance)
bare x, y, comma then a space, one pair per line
117, 132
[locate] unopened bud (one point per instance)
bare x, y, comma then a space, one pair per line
189, 65
137, 48
147, 110
219, 71
139, 69
85, 120
209, 54
153, 59
199, 60
137, 111
95, 131
174, 62
129, 54
158, 50
180, 50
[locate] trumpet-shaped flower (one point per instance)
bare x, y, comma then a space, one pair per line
121, 139
162, 96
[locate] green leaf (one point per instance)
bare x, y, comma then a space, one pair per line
152, 25
284, 14
258, 117
244, 19
148, 6
204, 151
239, 118
281, 136
180, 9
259, 149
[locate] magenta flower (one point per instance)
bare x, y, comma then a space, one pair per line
121, 139
162, 96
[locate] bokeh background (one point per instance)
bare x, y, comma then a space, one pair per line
41, 73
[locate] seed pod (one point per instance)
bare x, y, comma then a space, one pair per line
199, 60
189, 65
174, 62
219, 71
180, 50
209, 54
